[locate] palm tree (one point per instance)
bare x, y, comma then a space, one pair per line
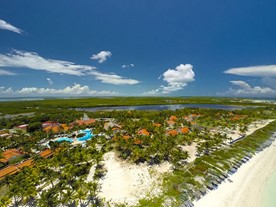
5, 201
48, 198
81, 195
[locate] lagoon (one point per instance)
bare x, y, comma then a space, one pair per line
161, 107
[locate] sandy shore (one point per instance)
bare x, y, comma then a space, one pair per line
128, 183
248, 184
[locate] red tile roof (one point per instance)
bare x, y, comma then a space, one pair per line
8, 154
8, 171
172, 132
173, 118
46, 153
184, 130
27, 163
143, 132
85, 122
157, 124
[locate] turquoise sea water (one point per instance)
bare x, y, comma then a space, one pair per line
269, 198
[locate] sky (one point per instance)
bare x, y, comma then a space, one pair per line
137, 48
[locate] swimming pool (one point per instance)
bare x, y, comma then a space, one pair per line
61, 139
88, 135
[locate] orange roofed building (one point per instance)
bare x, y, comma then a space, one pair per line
172, 133
184, 130
22, 127
85, 121
46, 153
12, 169
56, 128
157, 125
10, 153
173, 118
143, 132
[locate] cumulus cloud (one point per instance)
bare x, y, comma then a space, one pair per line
128, 66
50, 81
113, 78
256, 71
6, 26
74, 90
152, 92
176, 79
244, 89
31, 60
101, 56
5, 72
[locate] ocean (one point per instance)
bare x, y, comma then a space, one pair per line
269, 195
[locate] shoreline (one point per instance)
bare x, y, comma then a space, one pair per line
249, 183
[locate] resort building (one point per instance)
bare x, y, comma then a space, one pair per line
10, 154
22, 127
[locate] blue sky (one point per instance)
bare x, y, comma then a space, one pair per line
138, 48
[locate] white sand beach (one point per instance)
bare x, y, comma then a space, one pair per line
128, 183
248, 184
191, 149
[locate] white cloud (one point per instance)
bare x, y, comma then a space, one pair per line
31, 60
50, 81
21, 59
101, 56
256, 71
176, 79
244, 89
5, 91
152, 92
113, 78
128, 66
6, 26
75, 90
5, 72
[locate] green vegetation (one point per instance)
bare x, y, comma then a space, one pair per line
49, 105
181, 185
149, 137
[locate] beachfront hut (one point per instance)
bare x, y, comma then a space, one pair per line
202, 191
267, 143
210, 186
235, 167
221, 177
219, 181
232, 170
188, 203
197, 195
240, 162
215, 183
225, 175
244, 160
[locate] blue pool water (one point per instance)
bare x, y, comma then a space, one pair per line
88, 135
61, 139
